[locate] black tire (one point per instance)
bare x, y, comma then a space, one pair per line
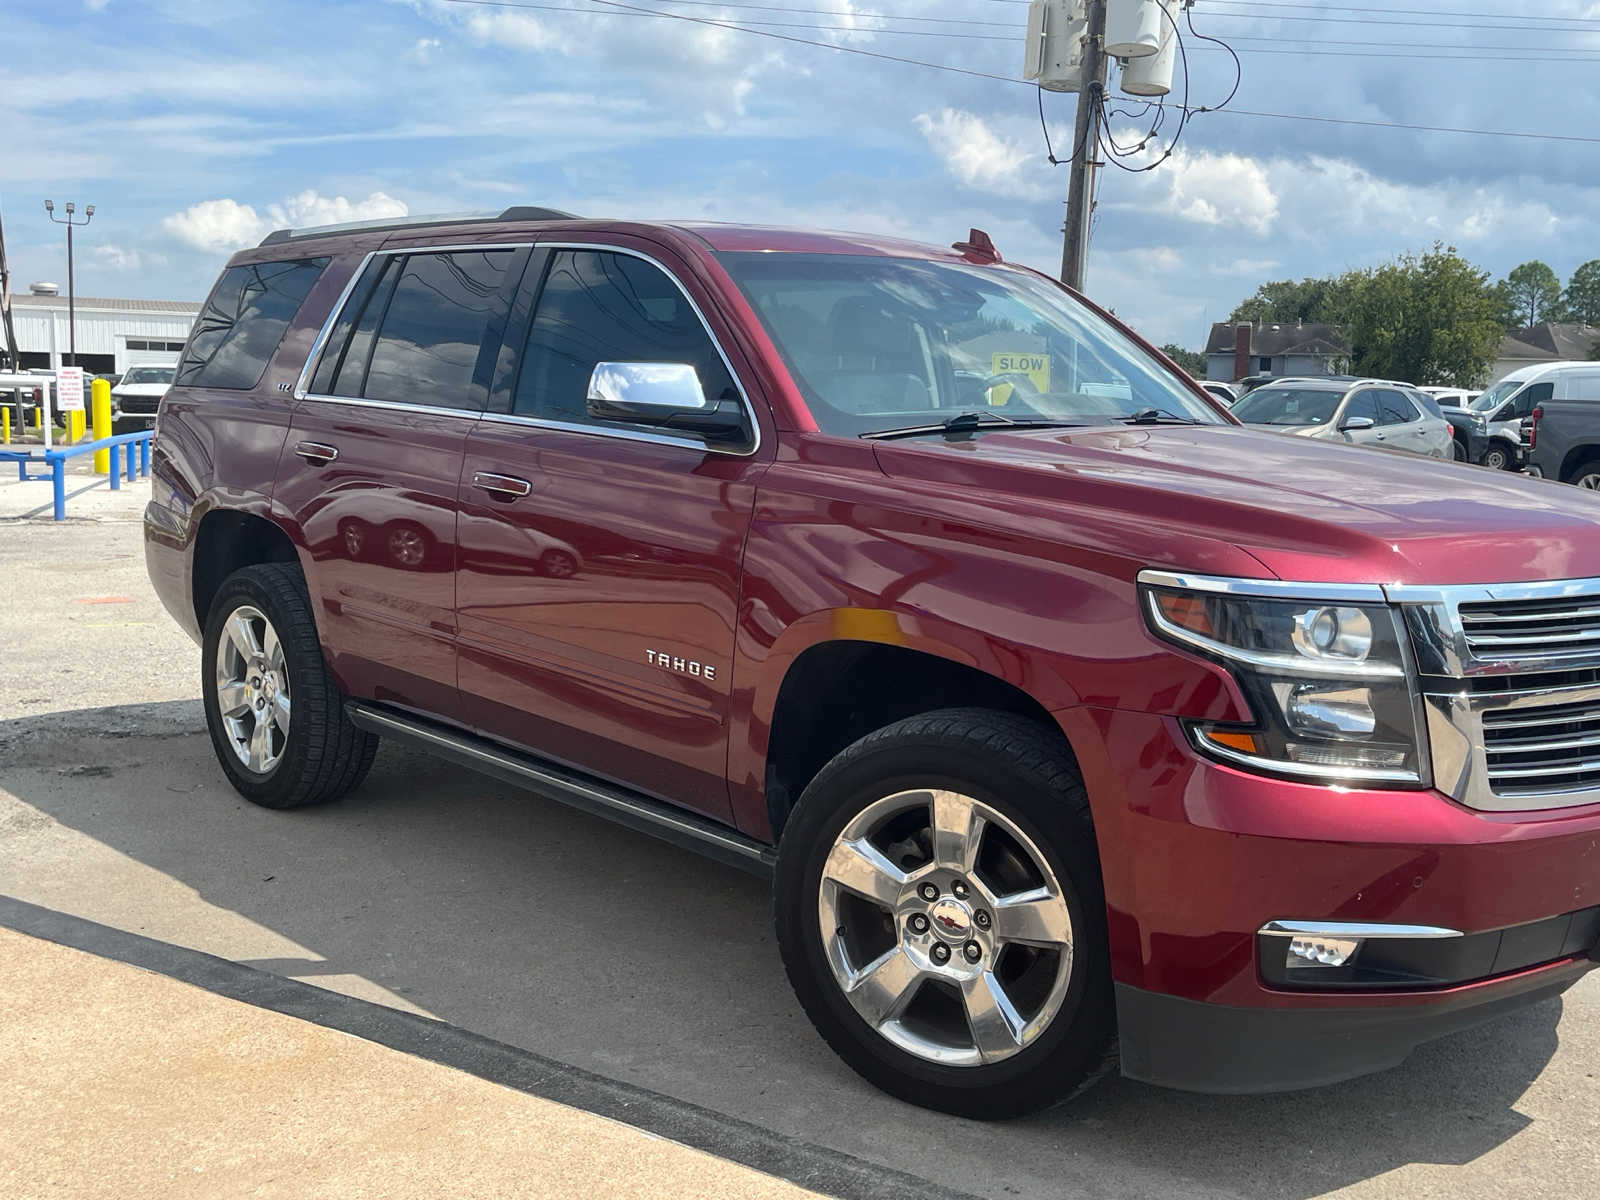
1497, 458
324, 755
1026, 772
1457, 451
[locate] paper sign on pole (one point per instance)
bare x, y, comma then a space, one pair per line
69, 389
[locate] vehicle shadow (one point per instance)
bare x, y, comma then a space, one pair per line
523, 920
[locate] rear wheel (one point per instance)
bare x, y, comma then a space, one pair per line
1458, 451
940, 914
275, 714
1589, 477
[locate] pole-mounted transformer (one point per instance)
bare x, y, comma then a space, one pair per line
1143, 36
1053, 55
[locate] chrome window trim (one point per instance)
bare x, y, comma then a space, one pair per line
1354, 929
1272, 589
634, 435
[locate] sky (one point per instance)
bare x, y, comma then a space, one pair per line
196, 126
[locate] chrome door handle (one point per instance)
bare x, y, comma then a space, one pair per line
316, 453
501, 485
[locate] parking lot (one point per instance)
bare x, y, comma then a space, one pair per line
442, 893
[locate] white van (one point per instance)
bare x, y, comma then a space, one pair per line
1505, 405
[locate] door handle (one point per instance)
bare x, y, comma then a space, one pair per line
316, 453
501, 485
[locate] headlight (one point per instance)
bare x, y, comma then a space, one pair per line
1329, 682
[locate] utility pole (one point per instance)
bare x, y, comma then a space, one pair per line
1085, 144
12, 362
72, 310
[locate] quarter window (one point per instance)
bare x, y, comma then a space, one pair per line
599, 306
238, 330
420, 329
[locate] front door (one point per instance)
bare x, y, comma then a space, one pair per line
373, 460
600, 563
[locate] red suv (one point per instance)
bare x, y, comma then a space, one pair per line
1067, 714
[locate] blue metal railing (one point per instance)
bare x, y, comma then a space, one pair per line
121, 446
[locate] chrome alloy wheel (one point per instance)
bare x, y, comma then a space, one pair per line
1590, 481
945, 927
252, 683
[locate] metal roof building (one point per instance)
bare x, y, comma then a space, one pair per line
113, 335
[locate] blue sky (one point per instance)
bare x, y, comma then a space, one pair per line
194, 127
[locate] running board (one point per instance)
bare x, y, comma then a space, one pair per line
619, 804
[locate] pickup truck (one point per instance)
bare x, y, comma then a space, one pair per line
1562, 425
1079, 727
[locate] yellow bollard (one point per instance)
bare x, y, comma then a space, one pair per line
100, 406
75, 426
5, 426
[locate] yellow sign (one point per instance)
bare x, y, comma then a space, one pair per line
1035, 366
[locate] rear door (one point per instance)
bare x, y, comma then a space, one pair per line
1401, 425
373, 458
600, 563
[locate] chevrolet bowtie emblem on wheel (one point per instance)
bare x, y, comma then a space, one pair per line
683, 666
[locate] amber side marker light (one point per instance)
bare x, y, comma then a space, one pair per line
1189, 612
1247, 743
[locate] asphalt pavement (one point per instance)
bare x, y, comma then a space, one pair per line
437, 892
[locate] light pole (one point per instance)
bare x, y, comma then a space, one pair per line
72, 311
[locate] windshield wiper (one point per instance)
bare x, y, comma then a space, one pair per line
1156, 416
968, 422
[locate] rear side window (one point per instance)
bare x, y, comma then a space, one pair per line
239, 329
1397, 410
419, 329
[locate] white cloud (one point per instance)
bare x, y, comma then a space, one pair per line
1220, 189
121, 258
223, 225
517, 30
96, 5
422, 50
981, 158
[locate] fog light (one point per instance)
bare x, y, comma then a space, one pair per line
1321, 951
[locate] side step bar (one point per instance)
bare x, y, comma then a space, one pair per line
615, 803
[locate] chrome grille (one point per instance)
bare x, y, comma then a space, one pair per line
1548, 749
1511, 628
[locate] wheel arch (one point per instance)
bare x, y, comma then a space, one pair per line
1576, 458
850, 671
226, 540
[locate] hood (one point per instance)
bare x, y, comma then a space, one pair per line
1306, 509
1291, 430
141, 389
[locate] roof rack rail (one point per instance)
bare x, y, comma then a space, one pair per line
517, 212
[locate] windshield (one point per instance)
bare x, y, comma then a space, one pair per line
1493, 398
877, 344
1288, 406
149, 375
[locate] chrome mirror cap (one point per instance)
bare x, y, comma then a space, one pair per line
644, 391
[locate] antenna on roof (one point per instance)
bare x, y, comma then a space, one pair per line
979, 245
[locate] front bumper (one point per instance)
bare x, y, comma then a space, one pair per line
1198, 857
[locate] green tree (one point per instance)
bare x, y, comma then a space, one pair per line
1430, 318
1191, 361
1583, 293
1284, 301
1534, 293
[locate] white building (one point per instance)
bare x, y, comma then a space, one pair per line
113, 335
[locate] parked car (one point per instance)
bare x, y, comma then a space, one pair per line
1451, 397
135, 400
1364, 412
1562, 430
1469, 431
1508, 403
1224, 392
1053, 769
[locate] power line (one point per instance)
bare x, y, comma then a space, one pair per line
1518, 24
624, 9
1403, 12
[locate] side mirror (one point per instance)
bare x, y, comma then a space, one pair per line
666, 395
1355, 423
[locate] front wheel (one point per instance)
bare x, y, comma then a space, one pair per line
275, 714
1497, 458
941, 918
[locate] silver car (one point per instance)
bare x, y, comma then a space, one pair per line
1363, 412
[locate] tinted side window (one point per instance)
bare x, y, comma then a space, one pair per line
1528, 397
243, 321
344, 362
431, 338
597, 306
1396, 408
1362, 404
